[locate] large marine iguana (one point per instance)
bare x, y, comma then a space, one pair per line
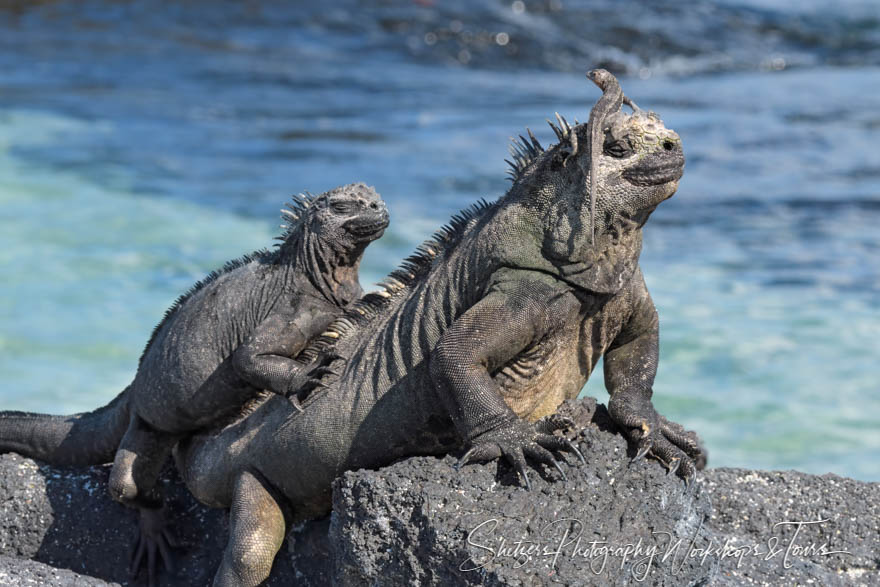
473, 343
231, 335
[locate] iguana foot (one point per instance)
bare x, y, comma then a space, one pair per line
516, 440
678, 449
154, 538
550, 424
308, 378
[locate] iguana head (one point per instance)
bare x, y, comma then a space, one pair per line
622, 164
345, 219
329, 233
592, 191
350, 216
637, 166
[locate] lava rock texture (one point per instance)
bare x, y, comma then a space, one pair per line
420, 521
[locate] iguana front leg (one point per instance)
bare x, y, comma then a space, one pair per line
630, 367
488, 335
265, 359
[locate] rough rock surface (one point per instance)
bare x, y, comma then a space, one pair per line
748, 505
18, 571
484, 528
64, 517
410, 523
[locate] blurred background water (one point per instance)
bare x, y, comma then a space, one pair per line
143, 144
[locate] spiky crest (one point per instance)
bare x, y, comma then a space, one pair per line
263, 256
294, 212
524, 151
415, 267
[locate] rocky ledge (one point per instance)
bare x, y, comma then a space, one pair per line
420, 521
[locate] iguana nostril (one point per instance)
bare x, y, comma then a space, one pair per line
668, 145
374, 206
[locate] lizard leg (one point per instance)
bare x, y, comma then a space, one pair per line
139, 459
630, 367
488, 335
256, 531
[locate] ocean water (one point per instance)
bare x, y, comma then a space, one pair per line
142, 144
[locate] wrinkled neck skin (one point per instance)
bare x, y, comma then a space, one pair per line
331, 267
551, 207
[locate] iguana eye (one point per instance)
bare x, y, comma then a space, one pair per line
340, 207
618, 149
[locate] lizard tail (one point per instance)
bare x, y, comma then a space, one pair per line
89, 438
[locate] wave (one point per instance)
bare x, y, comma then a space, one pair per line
626, 36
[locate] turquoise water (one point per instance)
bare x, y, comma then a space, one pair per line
142, 145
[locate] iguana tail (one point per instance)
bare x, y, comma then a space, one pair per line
89, 438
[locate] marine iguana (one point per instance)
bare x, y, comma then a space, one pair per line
472, 343
231, 335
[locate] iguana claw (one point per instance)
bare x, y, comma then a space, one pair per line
553, 422
308, 378
641, 454
525, 478
572, 448
518, 441
673, 467
465, 458
561, 472
321, 371
666, 441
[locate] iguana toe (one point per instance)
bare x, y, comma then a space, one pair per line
519, 463
688, 472
667, 441
541, 454
153, 543
669, 454
322, 371
550, 424
477, 454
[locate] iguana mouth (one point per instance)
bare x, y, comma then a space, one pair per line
362, 227
658, 168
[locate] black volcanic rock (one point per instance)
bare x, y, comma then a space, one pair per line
18, 571
420, 521
754, 507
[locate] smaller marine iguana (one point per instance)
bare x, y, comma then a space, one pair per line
472, 344
231, 335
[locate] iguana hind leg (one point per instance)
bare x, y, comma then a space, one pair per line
139, 460
256, 531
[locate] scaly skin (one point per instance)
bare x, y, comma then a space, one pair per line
472, 344
231, 336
